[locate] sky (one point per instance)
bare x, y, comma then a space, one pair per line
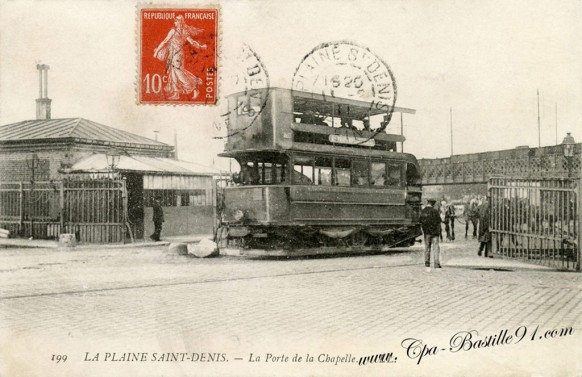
485, 60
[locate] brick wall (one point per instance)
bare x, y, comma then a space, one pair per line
17, 166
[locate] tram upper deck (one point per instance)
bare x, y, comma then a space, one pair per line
279, 119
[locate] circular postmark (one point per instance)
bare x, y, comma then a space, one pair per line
247, 77
344, 69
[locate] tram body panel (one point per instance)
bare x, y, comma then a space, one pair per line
337, 205
259, 205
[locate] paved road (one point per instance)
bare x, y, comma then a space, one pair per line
131, 299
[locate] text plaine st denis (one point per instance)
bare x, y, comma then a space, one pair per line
415, 349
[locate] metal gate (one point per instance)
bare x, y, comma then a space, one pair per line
536, 220
94, 210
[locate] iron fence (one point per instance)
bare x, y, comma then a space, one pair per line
94, 210
536, 220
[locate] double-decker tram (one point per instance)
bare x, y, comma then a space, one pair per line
314, 177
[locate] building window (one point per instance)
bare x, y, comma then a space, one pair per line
176, 198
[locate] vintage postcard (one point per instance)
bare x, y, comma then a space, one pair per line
300, 188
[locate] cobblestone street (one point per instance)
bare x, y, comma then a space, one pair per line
144, 299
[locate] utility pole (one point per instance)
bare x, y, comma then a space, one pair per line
451, 116
175, 144
401, 132
556, 123
539, 126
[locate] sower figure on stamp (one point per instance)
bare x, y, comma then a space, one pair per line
179, 80
158, 219
430, 221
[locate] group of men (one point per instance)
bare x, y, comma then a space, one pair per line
432, 216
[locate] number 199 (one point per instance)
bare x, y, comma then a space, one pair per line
59, 358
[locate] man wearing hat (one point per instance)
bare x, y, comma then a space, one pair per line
158, 219
430, 221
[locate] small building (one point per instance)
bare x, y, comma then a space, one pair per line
55, 150
186, 191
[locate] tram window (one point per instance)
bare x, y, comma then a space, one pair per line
343, 172
322, 171
378, 175
278, 173
412, 176
360, 173
249, 174
267, 173
394, 175
303, 171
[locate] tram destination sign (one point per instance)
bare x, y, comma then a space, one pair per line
352, 140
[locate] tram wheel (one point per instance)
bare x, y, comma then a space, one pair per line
358, 239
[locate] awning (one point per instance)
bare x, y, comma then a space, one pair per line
152, 165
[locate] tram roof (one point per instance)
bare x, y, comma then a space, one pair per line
313, 102
321, 150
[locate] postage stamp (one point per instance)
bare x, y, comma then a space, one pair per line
344, 69
178, 55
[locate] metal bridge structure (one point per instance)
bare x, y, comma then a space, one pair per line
544, 162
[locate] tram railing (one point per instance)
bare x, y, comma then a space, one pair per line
536, 220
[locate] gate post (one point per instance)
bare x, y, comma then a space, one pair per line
62, 205
579, 218
21, 210
125, 223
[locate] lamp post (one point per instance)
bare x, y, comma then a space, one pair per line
32, 163
568, 145
113, 158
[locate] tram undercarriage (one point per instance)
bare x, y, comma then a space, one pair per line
315, 240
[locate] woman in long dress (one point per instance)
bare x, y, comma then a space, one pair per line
179, 80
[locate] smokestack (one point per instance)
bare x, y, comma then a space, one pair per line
156, 135
43, 103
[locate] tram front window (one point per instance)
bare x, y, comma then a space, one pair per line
303, 171
261, 173
394, 175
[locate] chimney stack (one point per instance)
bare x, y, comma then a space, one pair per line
43, 103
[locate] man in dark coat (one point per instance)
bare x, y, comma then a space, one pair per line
484, 233
450, 222
158, 219
430, 221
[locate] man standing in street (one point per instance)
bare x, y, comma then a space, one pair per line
484, 234
430, 221
158, 219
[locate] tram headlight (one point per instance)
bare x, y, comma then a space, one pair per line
238, 215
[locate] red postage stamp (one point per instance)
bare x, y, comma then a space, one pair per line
178, 55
